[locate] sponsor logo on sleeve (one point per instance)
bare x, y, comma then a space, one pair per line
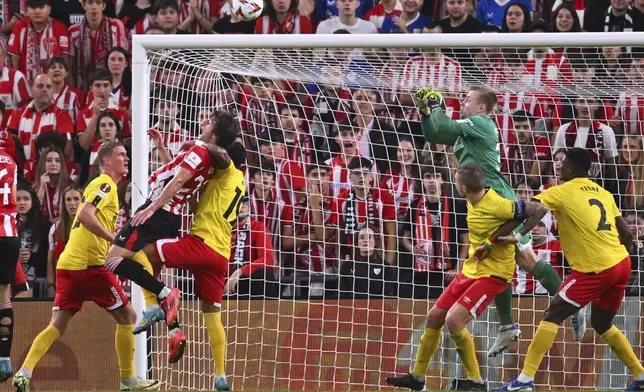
193, 160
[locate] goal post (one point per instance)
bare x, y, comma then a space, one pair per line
301, 341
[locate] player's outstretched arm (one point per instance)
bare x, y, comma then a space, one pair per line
625, 234
534, 212
436, 125
87, 217
219, 156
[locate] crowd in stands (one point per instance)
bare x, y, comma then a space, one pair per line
345, 198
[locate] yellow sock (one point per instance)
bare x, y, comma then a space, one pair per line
467, 352
149, 298
428, 345
124, 342
543, 339
217, 335
40, 346
623, 349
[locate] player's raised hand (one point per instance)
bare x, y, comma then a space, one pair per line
315, 196
141, 217
427, 100
156, 137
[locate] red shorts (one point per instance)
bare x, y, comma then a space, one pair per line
474, 295
604, 289
93, 284
210, 269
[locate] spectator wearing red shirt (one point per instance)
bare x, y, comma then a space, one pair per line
199, 16
67, 99
51, 179
166, 110
39, 116
401, 181
264, 199
548, 248
252, 258
384, 9
101, 88
91, 40
166, 15
11, 12
282, 17
118, 64
546, 66
529, 155
363, 203
14, 91
36, 39
629, 115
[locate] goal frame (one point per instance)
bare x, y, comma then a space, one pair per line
141, 74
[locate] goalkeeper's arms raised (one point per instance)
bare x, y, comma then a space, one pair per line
436, 125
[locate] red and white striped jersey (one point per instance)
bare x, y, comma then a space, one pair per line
259, 114
142, 25
290, 176
438, 72
268, 213
14, 91
8, 205
552, 68
339, 176
116, 97
630, 108
69, 100
197, 161
402, 190
377, 14
122, 218
208, 8
301, 25
173, 139
85, 116
29, 123
551, 252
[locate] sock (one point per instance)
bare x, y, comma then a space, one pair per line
547, 276
124, 342
503, 304
164, 293
137, 274
217, 335
639, 377
543, 339
6, 329
426, 349
39, 347
149, 297
467, 352
172, 328
524, 379
623, 349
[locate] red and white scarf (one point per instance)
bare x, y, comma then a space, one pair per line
267, 212
37, 52
436, 259
301, 150
401, 189
92, 52
51, 202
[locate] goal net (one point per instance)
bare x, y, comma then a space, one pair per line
354, 226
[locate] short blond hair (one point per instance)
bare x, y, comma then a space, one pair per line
487, 96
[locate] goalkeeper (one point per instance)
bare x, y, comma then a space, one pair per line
475, 140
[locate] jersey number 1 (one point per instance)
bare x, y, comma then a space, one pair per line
602, 219
235, 205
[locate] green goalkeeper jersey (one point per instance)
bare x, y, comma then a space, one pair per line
475, 140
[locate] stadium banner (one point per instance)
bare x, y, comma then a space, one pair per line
292, 344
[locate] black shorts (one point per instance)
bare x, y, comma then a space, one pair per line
162, 224
9, 252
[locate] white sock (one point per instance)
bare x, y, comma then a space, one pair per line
151, 308
5, 359
523, 378
477, 380
129, 381
639, 377
418, 377
164, 293
219, 376
24, 372
172, 332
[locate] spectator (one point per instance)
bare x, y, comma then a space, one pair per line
516, 19
528, 157
231, 24
166, 17
51, 180
298, 143
59, 231
612, 60
72, 12
264, 200
135, 15
198, 17
548, 248
383, 10
32, 230
39, 116
565, 19
525, 191
101, 88
630, 173
366, 274
125, 203
630, 103
401, 180
29, 53
154, 28
330, 105
409, 21
363, 203
13, 88
434, 227
66, 98
618, 17
347, 19
548, 13
117, 63
261, 108
545, 65
282, 17
107, 129
328, 9
166, 110
496, 11
45, 141
252, 259
586, 132
271, 148
553, 177
10, 14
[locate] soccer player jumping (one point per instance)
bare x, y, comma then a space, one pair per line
476, 140
595, 239
476, 285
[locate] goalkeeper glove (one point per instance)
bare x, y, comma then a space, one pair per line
426, 100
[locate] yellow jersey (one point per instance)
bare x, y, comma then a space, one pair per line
85, 249
483, 219
218, 207
586, 215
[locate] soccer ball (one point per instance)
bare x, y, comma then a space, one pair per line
248, 10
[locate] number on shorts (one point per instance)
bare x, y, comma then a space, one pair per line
602, 219
235, 205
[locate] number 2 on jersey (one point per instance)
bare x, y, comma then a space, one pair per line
602, 219
235, 205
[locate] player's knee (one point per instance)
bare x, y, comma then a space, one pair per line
555, 314
436, 318
600, 324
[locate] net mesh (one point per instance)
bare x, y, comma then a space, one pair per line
345, 305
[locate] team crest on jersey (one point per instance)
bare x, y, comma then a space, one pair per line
106, 188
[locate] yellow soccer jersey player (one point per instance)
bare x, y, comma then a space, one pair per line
85, 249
